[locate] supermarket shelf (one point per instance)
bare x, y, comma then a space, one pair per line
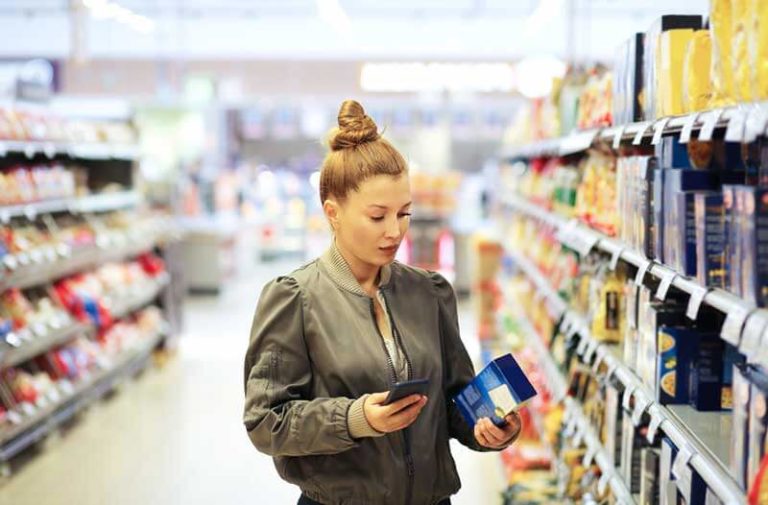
80, 150
745, 122
94, 203
136, 299
43, 343
45, 268
582, 425
706, 457
36, 426
583, 239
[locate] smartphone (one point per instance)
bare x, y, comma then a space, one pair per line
402, 389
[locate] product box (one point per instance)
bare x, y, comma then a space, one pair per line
628, 81
651, 65
758, 420
649, 477
670, 153
709, 388
647, 166
729, 209
740, 433
686, 236
631, 444
658, 214
676, 182
612, 426
673, 45
498, 389
754, 246
652, 316
683, 353
710, 239
668, 494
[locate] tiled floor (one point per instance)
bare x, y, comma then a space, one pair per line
174, 435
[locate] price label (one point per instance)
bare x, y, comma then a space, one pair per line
653, 427
615, 257
694, 302
589, 242
626, 400
49, 150
599, 357
756, 123
10, 262
642, 269
612, 367
659, 128
602, 484
643, 127
710, 123
734, 323
14, 417
762, 354
735, 130
28, 409
578, 438
29, 151
690, 122
667, 278
641, 403
617, 137
591, 349
54, 395
682, 472
582, 347
589, 456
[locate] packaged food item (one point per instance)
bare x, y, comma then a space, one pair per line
759, 49
628, 81
607, 318
742, 17
697, 67
649, 479
754, 246
673, 45
721, 26
710, 239
652, 63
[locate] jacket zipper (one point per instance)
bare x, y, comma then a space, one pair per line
411, 468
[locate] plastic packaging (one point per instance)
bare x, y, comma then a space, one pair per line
697, 71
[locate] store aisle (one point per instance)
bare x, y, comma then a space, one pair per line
174, 436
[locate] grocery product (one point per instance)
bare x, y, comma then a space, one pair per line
697, 68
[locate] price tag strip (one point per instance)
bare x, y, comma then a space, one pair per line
710, 123
734, 323
690, 122
626, 400
666, 281
617, 137
641, 403
642, 269
615, 257
602, 484
757, 118
694, 302
653, 426
659, 128
599, 357
589, 456
735, 130
592, 347
683, 472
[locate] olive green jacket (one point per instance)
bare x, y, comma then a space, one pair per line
315, 348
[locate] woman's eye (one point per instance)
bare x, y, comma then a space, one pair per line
377, 218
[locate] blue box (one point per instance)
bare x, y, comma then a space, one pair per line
658, 214
754, 245
710, 240
498, 389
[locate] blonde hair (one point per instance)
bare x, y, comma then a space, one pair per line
357, 152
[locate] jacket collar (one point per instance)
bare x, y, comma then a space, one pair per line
342, 275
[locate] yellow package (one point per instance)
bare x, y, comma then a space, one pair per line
742, 30
759, 49
721, 26
697, 82
672, 48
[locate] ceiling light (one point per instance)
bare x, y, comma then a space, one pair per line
104, 9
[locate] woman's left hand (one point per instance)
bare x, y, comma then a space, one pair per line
498, 437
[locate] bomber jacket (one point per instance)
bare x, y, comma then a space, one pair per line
315, 348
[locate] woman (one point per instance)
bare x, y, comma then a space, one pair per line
331, 338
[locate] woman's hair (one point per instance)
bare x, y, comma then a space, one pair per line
357, 152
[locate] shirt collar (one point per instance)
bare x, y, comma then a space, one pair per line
340, 272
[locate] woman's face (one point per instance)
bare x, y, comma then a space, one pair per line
372, 221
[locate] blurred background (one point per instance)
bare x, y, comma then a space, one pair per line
159, 162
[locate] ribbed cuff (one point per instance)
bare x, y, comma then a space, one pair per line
358, 424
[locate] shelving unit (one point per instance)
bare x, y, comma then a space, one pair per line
46, 264
675, 422
737, 330
744, 122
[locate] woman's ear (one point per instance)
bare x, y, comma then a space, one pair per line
332, 210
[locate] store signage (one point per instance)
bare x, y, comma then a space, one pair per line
32, 80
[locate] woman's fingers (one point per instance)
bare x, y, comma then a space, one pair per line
403, 403
408, 415
495, 433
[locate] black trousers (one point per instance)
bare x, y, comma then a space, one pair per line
306, 501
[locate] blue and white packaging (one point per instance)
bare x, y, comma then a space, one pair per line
500, 388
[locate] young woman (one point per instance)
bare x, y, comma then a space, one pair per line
330, 339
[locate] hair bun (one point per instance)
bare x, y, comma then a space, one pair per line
355, 127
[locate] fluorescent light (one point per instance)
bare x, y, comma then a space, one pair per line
416, 77
104, 9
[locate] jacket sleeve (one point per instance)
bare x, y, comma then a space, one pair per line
457, 366
280, 417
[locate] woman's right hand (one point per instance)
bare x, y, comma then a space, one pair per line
395, 416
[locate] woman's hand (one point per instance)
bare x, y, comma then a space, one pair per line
395, 416
491, 436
